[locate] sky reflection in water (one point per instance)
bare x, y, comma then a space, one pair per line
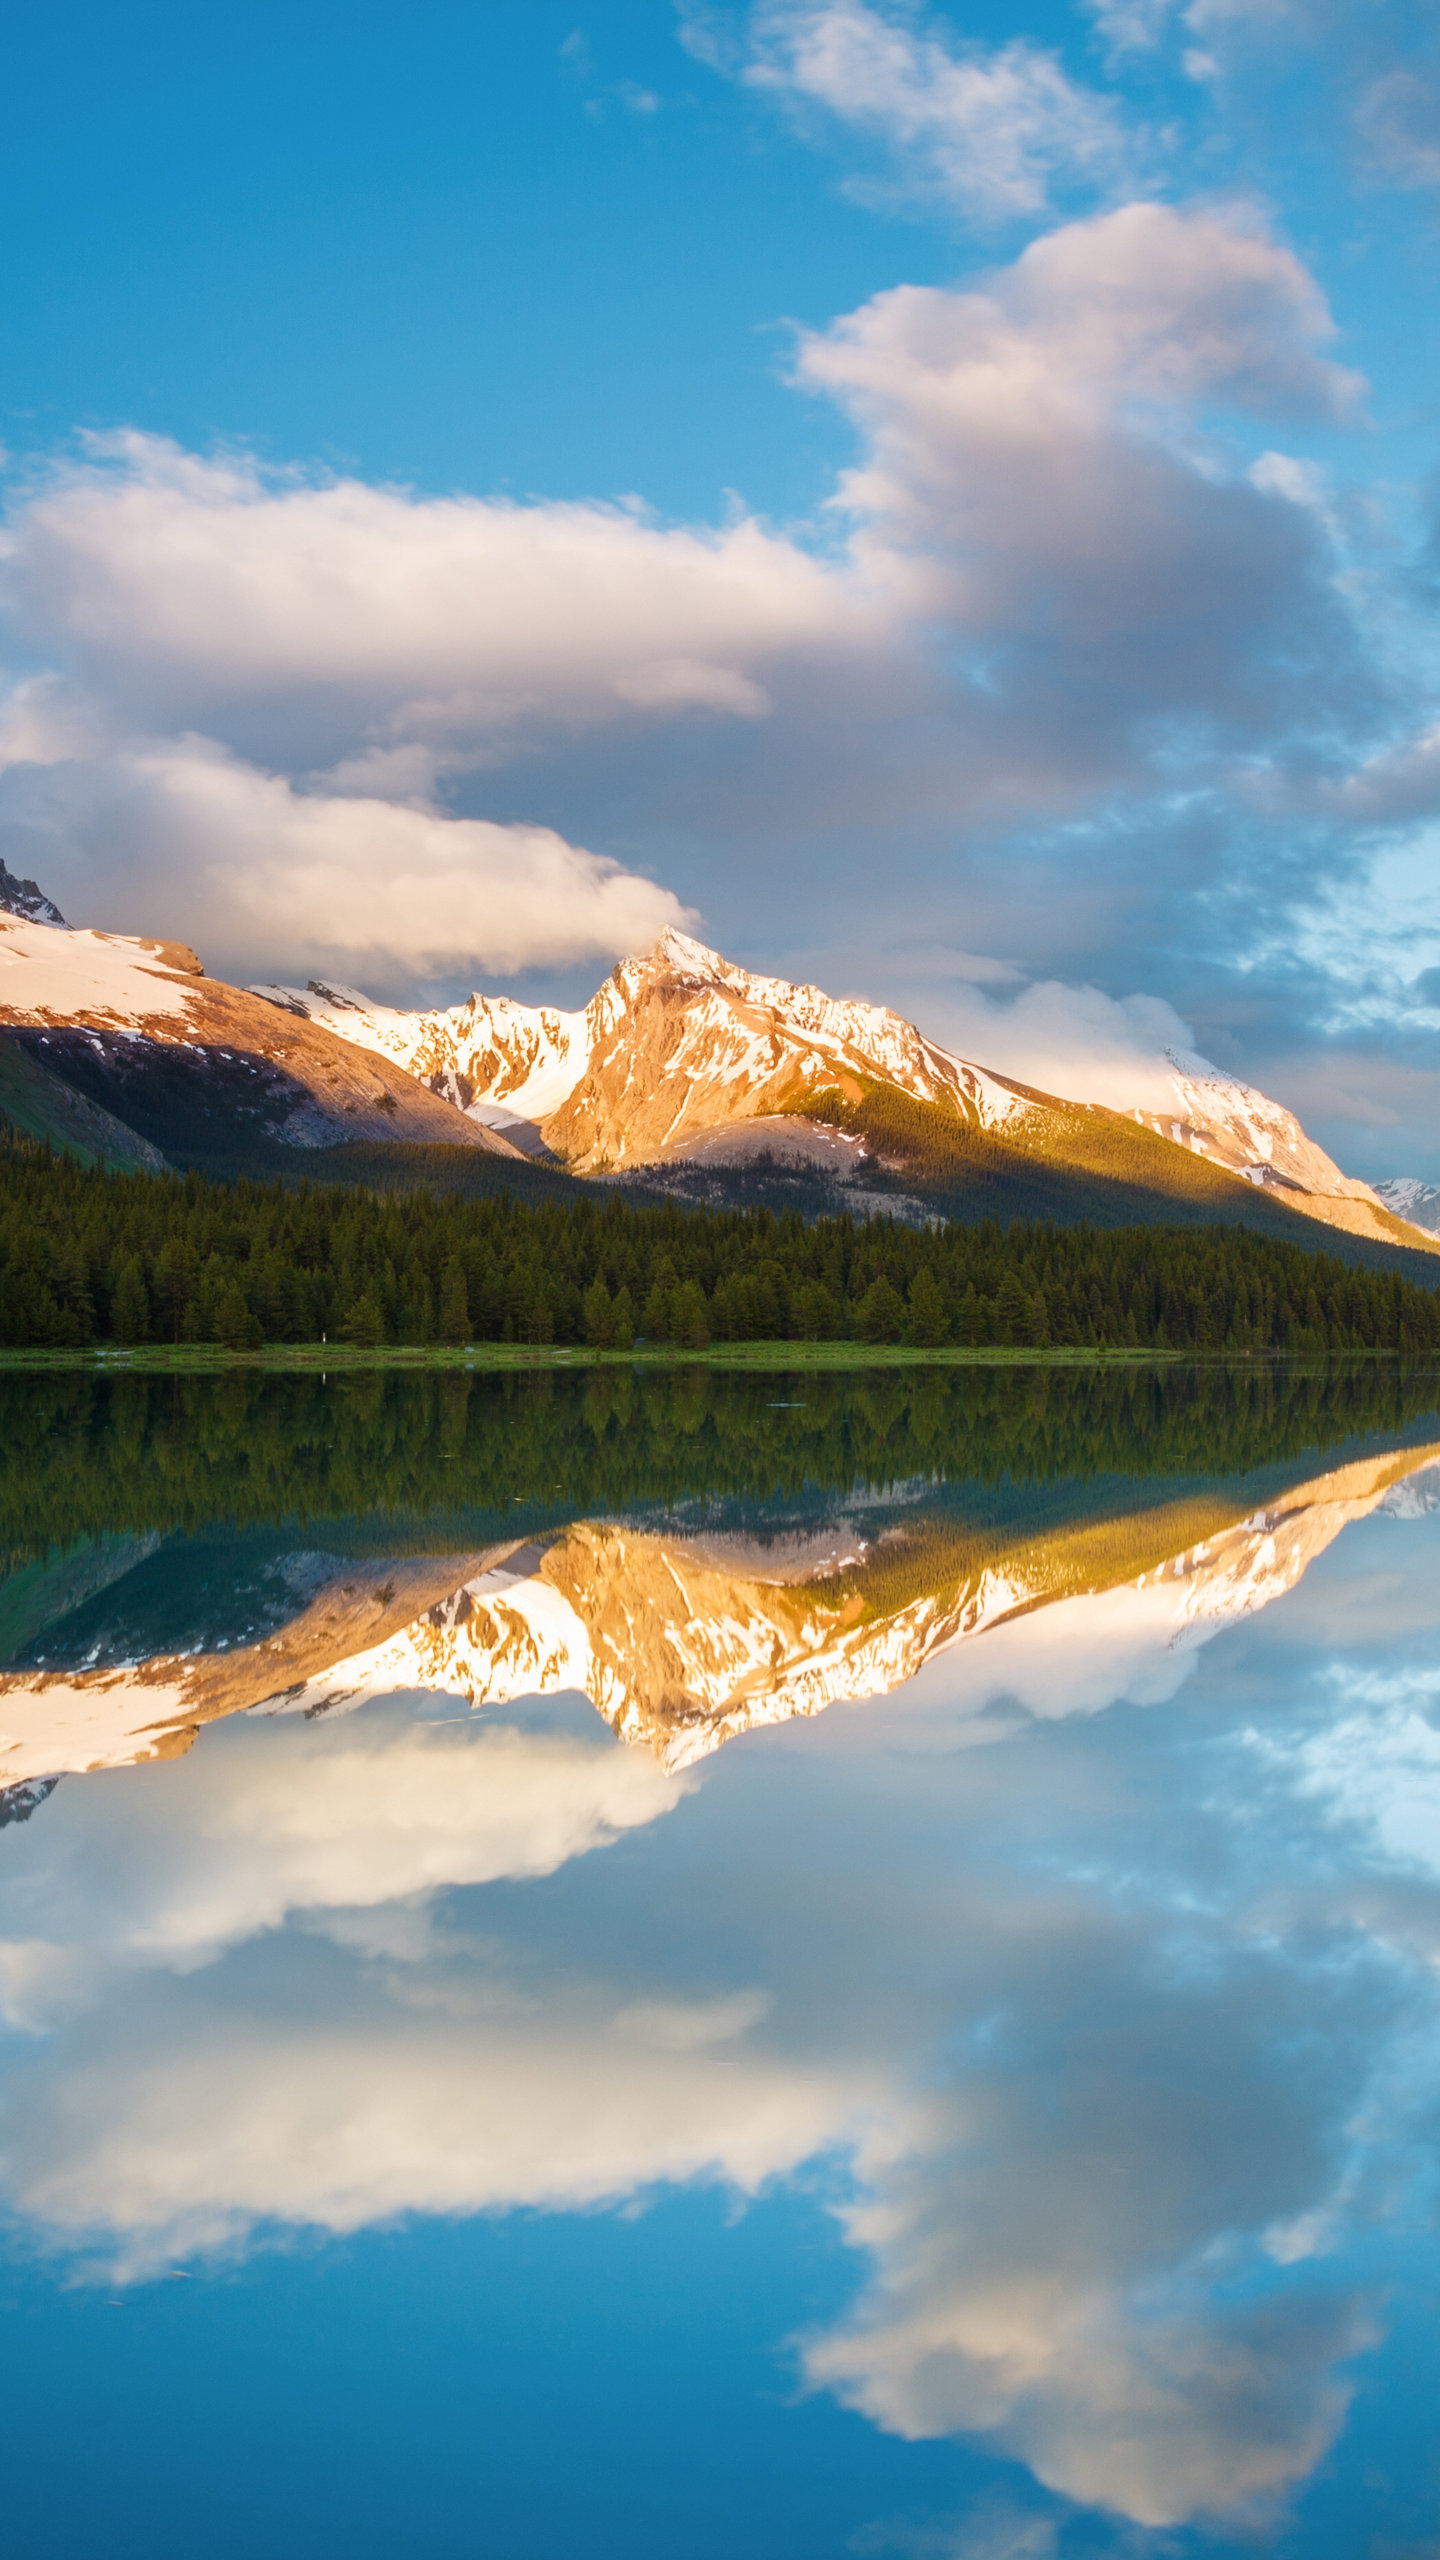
1058, 2019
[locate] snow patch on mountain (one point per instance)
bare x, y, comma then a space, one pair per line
1406, 1196
51, 973
500, 1063
1233, 1124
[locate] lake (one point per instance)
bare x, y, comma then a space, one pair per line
693, 1964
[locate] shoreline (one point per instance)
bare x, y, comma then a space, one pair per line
207, 1359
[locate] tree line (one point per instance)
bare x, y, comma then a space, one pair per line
93, 1256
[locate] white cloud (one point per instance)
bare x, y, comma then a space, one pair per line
1070, 1040
324, 617
1397, 120
359, 886
1052, 577
1047, 426
990, 130
1137, 2407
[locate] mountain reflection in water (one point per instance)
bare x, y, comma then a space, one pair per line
681, 1641
1093, 1962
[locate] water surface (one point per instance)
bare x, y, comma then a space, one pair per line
685, 1965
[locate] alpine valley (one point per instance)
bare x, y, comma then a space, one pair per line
684, 1074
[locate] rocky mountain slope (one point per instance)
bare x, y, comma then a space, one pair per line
1418, 1202
506, 1065
683, 1067
126, 1049
683, 1058
23, 898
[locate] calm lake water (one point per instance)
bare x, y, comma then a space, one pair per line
712, 1965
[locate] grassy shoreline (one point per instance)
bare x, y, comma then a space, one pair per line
207, 1358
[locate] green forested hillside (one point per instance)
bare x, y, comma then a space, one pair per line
1067, 1163
88, 1255
36, 1104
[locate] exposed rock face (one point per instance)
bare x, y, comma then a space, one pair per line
24, 898
679, 1051
1406, 1196
502, 1063
137, 1029
684, 1043
17, 1803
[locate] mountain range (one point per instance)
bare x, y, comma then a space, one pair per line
684, 1073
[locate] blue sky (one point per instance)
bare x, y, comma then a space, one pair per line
944, 499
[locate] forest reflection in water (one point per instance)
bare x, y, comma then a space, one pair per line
1094, 1953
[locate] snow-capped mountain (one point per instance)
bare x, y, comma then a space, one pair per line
680, 1052
504, 1064
681, 1644
23, 898
126, 1049
103, 1029
671, 1047
1407, 1197
1234, 1124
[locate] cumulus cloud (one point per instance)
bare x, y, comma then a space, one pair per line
1072, 1040
1009, 2328
322, 617
1051, 586
339, 881
992, 130
1036, 477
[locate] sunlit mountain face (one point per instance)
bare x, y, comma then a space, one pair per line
895, 1914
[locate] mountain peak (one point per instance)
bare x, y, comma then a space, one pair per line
25, 898
676, 950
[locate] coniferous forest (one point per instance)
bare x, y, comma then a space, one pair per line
91, 1256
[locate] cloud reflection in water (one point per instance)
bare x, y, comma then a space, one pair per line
1116, 2019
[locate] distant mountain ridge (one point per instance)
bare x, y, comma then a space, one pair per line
1406, 1196
683, 1069
681, 1053
24, 898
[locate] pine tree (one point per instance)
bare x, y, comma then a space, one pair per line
881, 1311
599, 1315
1014, 1312
234, 1324
130, 1303
927, 1325
453, 1322
363, 1322
689, 1321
